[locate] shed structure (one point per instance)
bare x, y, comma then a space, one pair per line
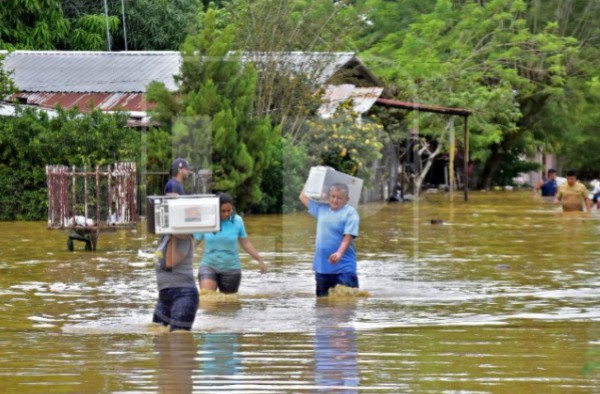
117, 81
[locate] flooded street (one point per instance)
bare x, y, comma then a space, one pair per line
503, 296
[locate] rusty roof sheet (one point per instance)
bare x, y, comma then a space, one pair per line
85, 101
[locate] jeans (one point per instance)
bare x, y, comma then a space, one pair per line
329, 281
176, 307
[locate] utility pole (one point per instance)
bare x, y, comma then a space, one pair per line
124, 25
107, 28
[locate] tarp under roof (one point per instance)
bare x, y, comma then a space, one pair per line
362, 98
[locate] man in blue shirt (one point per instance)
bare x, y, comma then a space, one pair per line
547, 186
180, 170
334, 262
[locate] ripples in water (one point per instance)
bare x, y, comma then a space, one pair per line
499, 298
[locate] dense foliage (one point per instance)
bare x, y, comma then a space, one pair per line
82, 24
211, 115
147, 24
31, 140
527, 68
344, 143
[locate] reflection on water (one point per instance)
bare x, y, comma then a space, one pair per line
221, 358
176, 362
500, 297
335, 347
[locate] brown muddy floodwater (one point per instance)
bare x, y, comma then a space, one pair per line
503, 297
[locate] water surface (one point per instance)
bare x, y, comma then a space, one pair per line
503, 296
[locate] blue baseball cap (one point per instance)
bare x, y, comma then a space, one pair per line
180, 163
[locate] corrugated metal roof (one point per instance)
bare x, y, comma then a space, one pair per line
83, 72
320, 66
116, 81
79, 72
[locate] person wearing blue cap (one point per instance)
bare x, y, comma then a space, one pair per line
180, 170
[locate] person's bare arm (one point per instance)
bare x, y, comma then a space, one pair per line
588, 204
536, 188
337, 256
248, 247
304, 198
586, 199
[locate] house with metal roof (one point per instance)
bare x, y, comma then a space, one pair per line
117, 81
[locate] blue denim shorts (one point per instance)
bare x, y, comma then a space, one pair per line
329, 281
176, 307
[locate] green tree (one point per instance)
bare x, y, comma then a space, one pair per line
149, 24
579, 143
212, 116
32, 24
81, 24
344, 143
483, 56
31, 139
286, 87
382, 18
43, 24
7, 85
89, 32
157, 24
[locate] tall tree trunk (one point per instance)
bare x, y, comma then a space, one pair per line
485, 181
532, 108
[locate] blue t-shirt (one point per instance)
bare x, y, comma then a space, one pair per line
549, 188
174, 186
331, 228
221, 249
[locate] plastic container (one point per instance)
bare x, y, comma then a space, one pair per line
321, 178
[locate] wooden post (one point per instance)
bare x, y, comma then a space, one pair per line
64, 198
85, 195
133, 192
451, 160
466, 160
97, 195
109, 191
50, 202
74, 206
